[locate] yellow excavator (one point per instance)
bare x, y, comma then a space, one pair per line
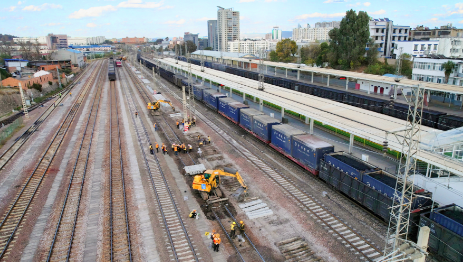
208, 184
156, 105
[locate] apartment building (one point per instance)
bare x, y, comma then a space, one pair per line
251, 46
386, 35
192, 37
276, 33
51, 40
320, 32
430, 69
228, 27
416, 48
425, 33
332, 24
134, 40
450, 47
212, 34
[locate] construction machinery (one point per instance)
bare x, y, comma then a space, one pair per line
208, 185
157, 104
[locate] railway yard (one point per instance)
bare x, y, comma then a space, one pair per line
80, 182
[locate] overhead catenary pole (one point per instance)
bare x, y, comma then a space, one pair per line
23, 100
261, 72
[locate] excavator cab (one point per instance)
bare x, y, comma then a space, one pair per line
157, 104
207, 184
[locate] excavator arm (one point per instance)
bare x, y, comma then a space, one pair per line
157, 104
225, 172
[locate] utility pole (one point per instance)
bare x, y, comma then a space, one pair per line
191, 102
397, 246
176, 55
261, 71
59, 78
23, 100
202, 60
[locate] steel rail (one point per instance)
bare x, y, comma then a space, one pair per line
164, 180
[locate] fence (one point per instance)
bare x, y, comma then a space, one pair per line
7, 131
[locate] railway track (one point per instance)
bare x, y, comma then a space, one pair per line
12, 221
166, 129
11, 151
119, 244
351, 239
68, 220
180, 247
237, 249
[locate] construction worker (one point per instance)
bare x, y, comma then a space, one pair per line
232, 232
177, 124
184, 148
194, 120
70, 94
216, 242
173, 145
212, 236
175, 150
242, 227
190, 148
151, 149
59, 95
199, 137
157, 148
208, 139
154, 125
193, 214
136, 114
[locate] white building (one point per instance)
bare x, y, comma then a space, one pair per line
76, 57
430, 70
312, 34
332, 24
86, 40
416, 48
40, 39
385, 34
276, 33
450, 47
251, 46
228, 27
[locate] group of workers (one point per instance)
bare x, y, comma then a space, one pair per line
203, 141
163, 148
181, 147
190, 122
215, 237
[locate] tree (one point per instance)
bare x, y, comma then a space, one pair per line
108, 42
372, 52
158, 41
323, 55
273, 56
191, 47
348, 42
310, 53
407, 65
448, 67
167, 38
285, 49
208, 48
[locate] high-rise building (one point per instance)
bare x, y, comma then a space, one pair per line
212, 34
228, 27
192, 37
385, 34
276, 33
332, 24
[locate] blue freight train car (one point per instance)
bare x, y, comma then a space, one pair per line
198, 91
307, 150
246, 116
211, 97
262, 127
233, 112
282, 136
223, 104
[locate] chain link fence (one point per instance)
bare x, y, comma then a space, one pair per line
7, 131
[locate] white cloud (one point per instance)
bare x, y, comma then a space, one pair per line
3, 18
268, 1
174, 22
41, 7
11, 8
379, 12
140, 4
52, 24
461, 22
107, 23
166, 7
22, 28
79, 29
19, 2
91, 25
334, 1
395, 10
92, 11
318, 15
205, 19
246, 1
366, 4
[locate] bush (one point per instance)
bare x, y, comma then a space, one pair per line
37, 87
50, 83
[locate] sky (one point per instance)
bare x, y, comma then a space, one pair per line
140, 18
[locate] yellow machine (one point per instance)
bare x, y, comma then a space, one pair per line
208, 184
157, 104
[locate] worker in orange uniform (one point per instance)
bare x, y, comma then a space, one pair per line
184, 148
157, 147
216, 242
232, 231
175, 150
177, 124
213, 236
136, 114
154, 125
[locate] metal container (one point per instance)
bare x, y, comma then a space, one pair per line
350, 165
198, 91
262, 126
443, 241
246, 116
223, 104
211, 97
282, 136
308, 150
234, 111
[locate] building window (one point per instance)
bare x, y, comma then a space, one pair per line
422, 47
394, 31
429, 47
399, 37
400, 31
405, 31
377, 30
382, 38
376, 37
381, 45
415, 48
435, 46
382, 30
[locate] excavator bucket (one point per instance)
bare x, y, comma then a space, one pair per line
239, 194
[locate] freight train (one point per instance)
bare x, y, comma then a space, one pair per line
431, 118
111, 70
366, 184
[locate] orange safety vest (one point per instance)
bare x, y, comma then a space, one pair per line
175, 148
217, 241
177, 122
157, 146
